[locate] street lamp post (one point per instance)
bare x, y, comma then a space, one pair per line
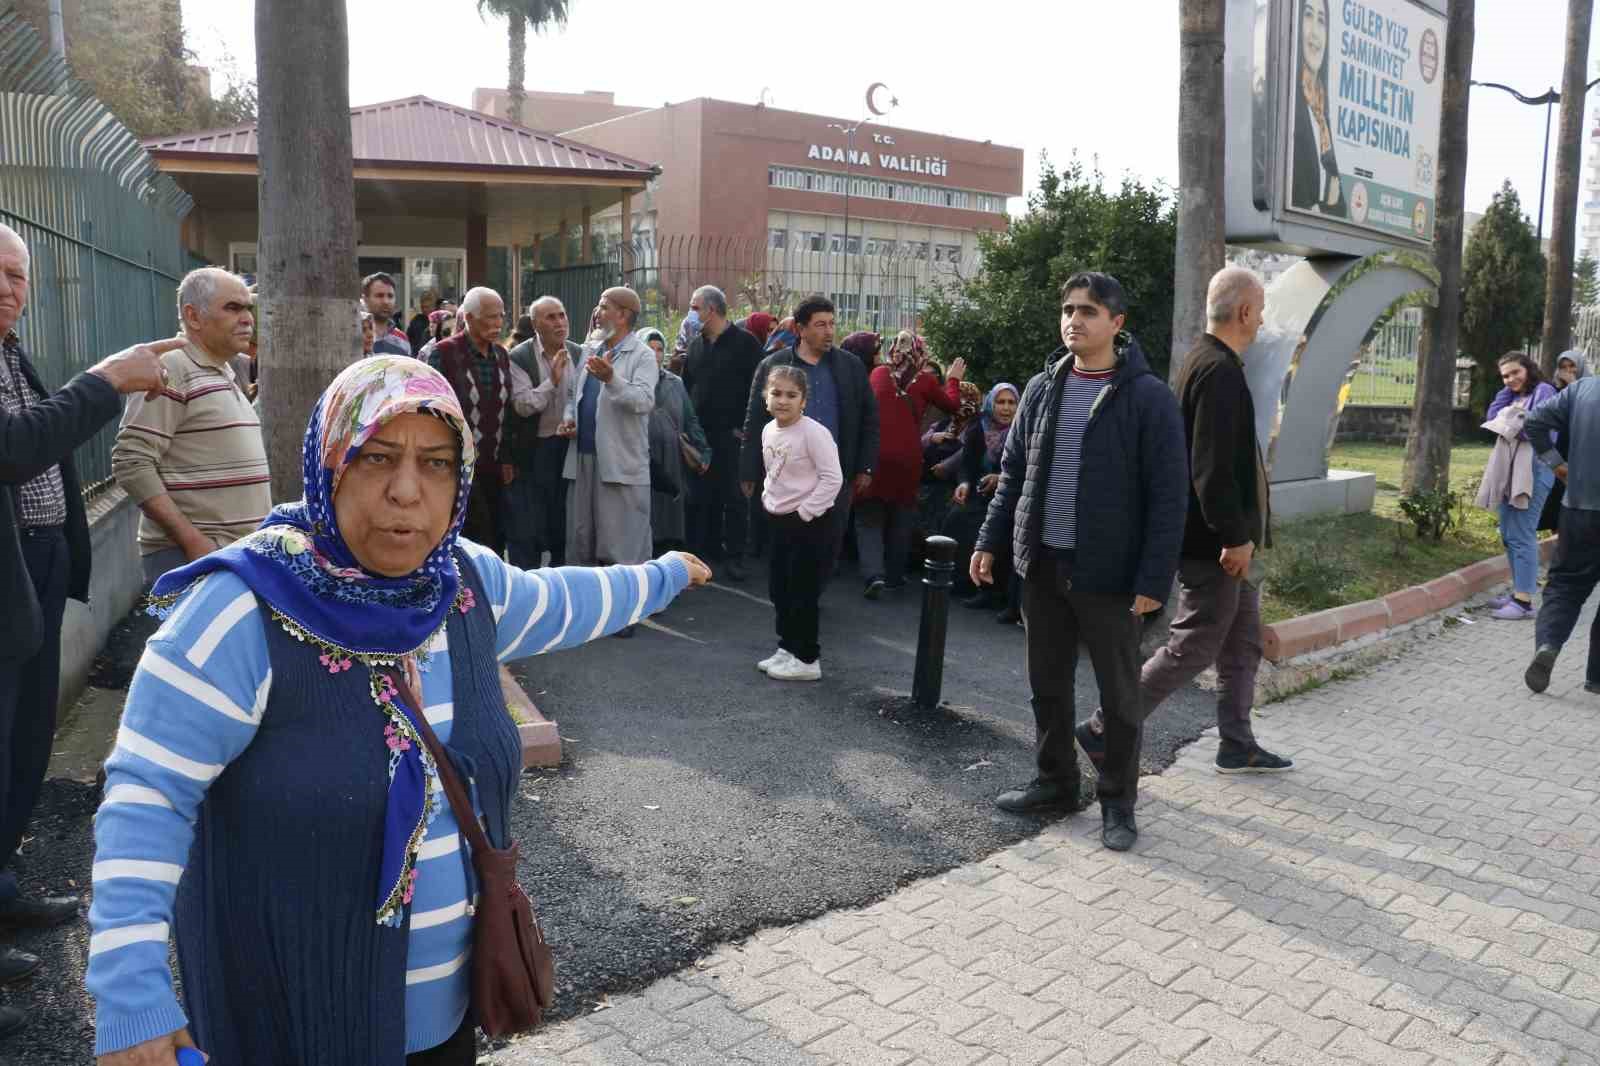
1549, 98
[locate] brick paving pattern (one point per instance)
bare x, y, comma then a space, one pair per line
1424, 888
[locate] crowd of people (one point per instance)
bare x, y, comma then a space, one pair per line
482, 502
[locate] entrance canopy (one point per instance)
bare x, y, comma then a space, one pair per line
427, 174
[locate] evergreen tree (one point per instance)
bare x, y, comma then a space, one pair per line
1585, 283
1502, 290
1006, 319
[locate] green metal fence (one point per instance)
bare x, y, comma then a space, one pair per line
102, 224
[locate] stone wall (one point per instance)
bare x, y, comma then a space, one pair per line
115, 585
1372, 422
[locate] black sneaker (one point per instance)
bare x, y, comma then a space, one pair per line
1042, 795
1118, 830
1592, 686
1092, 743
1252, 760
874, 589
16, 964
1538, 674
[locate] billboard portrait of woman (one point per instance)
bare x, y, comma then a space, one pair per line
1315, 182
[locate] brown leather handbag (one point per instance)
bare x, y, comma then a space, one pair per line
513, 973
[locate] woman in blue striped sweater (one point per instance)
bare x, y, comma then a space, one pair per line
269, 800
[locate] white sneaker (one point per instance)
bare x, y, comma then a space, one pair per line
773, 660
792, 669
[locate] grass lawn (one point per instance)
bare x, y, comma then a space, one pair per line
1316, 563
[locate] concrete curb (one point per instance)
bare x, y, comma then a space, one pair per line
541, 742
1309, 633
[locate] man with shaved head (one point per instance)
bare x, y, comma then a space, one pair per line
1219, 577
479, 370
44, 559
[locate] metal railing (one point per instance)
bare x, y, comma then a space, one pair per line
1387, 372
880, 292
102, 224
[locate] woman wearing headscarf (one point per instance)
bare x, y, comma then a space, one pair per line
886, 512
981, 448
679, 450
1569, 368
864, 345
270, 799
759, 325
941, 459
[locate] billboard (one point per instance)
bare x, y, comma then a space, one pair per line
1367, 78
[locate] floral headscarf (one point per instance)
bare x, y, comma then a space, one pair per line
907, 356
970, 400
299, 565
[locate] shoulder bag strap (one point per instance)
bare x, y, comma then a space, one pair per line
454, 789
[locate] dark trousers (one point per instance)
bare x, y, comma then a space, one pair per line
483, 523
535, 507
1057, 618
836, 524
1218, 621
28, 693
795, 581
1574, 572
718, 509
459, 1050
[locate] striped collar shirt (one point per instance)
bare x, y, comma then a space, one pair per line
42, 500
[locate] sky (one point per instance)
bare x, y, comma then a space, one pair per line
1050, 76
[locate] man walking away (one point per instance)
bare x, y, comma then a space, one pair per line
1219, 575
1566, 436
193, 458
44, 560
720, 364
542, 375
838, 396
1091, 500
378, 293
479, 370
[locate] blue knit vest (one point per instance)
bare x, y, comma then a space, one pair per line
282, 959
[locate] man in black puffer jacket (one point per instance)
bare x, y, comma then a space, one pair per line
1091, 502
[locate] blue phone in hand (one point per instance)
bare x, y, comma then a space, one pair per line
188, 1056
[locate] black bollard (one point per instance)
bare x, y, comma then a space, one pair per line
940, 564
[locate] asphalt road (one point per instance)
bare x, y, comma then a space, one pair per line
697, 800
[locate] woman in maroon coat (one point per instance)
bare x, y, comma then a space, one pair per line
886, 512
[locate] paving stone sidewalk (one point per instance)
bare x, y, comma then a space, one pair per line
1425, 888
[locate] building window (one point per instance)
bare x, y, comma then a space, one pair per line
813, 241
874, 320
777, 239
947, 253
780, 177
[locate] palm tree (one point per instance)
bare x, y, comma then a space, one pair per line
1569, 150
307, 238
519, 15
1201, 250
1427, 465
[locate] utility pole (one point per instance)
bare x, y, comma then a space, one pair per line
1427, 466
1569, 154
1201, 245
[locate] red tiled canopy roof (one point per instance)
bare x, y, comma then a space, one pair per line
420, 131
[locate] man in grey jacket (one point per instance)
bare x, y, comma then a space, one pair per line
608, 418
1565, 433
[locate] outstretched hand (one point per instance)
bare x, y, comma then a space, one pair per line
138, 369
699, 572
162, 1051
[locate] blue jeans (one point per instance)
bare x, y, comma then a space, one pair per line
1519, 531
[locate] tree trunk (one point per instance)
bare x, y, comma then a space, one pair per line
306, 248
1427, 467
518, 65
1564, 223
1201, 248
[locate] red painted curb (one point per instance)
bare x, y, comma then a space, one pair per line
541, 742
1324, 629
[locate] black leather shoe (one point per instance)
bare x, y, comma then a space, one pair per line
1118, 830
15, 965
40, 913
1041, 795
1537, 677
11, 1019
